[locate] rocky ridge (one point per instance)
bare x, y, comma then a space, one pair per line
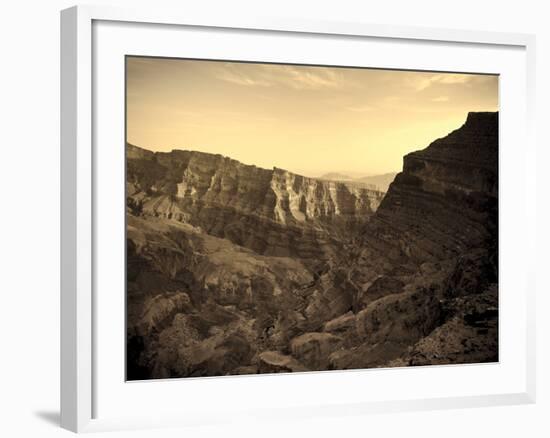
444, 202
273, 211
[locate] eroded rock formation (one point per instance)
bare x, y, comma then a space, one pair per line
233, 269
273, 212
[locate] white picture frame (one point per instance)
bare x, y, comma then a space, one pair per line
81, 373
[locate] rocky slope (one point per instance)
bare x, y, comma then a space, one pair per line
426, 264
234, 269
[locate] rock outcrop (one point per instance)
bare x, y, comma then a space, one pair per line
444, 202
314, 349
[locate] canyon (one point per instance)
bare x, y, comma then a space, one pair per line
235, 269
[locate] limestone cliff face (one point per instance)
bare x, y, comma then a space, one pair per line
444, 202
270, 211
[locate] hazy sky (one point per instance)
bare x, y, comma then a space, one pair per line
309, 120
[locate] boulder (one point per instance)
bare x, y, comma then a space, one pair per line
313, 349
276, 362
341, 323
402, 318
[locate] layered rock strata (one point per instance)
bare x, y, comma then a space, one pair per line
273, 212
444, 202
234, 269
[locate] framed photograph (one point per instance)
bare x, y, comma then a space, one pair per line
257, 208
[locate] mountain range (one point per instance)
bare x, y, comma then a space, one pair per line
235, 269
375, 182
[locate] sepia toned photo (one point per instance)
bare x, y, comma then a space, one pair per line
296, 218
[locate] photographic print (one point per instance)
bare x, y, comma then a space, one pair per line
295, 218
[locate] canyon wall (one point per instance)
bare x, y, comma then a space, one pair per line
234, 269
444, 202
270, 211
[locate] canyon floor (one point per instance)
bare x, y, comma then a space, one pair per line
234, 269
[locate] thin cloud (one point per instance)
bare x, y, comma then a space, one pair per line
423, 83
441, 99
310, 79
242, 79
287, 76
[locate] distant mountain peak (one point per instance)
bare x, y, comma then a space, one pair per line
336, 176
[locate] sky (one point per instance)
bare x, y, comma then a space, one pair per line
307, 119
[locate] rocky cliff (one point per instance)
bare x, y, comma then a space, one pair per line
270, 211
234, 269
445, 199
428, 258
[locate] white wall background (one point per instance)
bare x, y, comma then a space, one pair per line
29, 217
